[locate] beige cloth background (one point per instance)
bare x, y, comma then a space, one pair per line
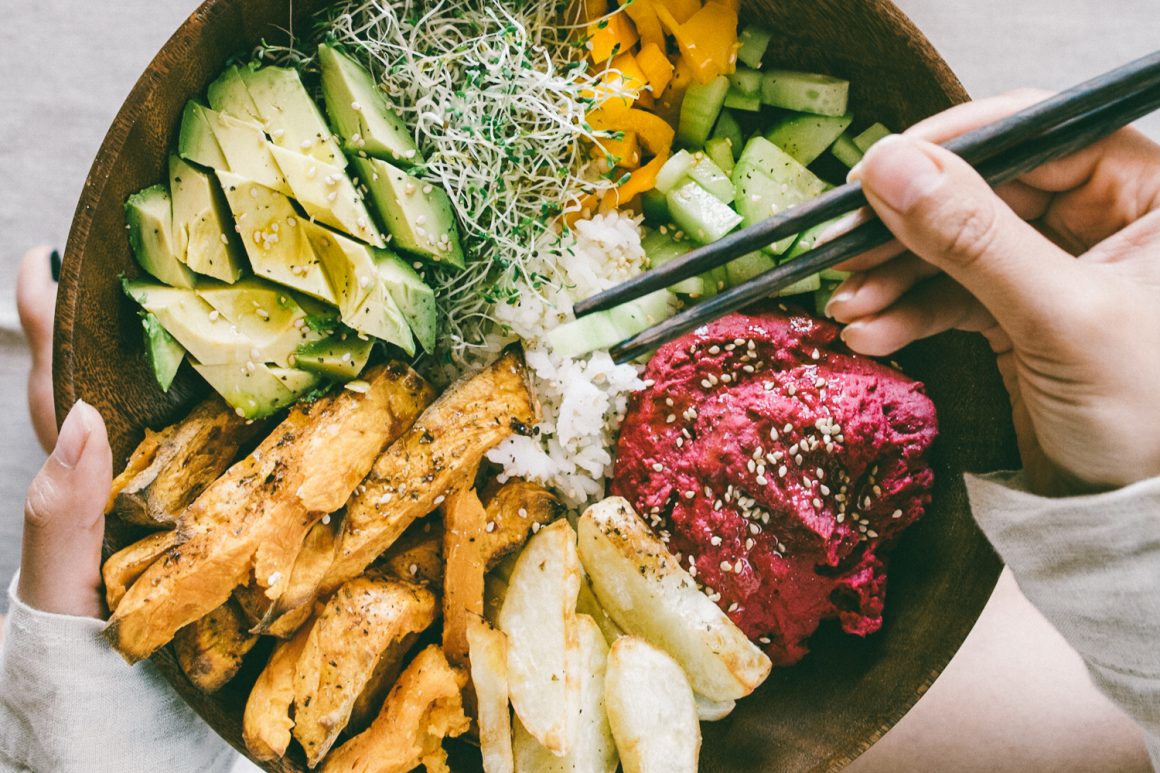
66, 65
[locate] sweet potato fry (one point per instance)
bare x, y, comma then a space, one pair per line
266, 723
418, 554
360, 621
254, 518
210, 650
386, 673
463, 568
172, 467
513, 512
123, 568
424, 707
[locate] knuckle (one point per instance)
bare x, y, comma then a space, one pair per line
969, 232
40, 503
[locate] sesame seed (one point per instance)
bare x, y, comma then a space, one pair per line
714, 540
817, 503
670, 418
490, 527
781, 471
788, 428
690, 494
658, 467
797, 459
738, 567
871, 534
896, 514
536, 527
762, 480
522, 512
440, 499
326, 520
726, 566
815, 354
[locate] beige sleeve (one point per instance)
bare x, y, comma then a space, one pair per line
1091, 565
68, 703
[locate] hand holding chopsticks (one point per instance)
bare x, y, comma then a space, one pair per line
1002, 151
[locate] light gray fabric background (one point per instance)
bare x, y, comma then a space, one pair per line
66, 65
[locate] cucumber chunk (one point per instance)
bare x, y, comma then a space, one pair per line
727, 128
748, 266
737, 100
699, 111
808, 239
655, 207
754, 43
846, 151
662, 248
808, 285
701, 214
713, 179
806, 137
768, 181
674, 171
605, 329
720, 149
746, 81
866, 139
805, 92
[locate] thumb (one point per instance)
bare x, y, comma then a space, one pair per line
944, 212
64, 520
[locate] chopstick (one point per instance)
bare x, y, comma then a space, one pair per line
974, 147
1064, 140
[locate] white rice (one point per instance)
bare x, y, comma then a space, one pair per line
583, 400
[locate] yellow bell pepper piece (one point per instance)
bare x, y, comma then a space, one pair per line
623, 152
682, 10
708, 41
610, 36
587, 205
648, 26
653, 132
640, 181
657, 68
621, 86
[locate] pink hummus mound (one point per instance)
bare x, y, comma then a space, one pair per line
779, 467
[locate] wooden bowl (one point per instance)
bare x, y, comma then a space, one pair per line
818, 715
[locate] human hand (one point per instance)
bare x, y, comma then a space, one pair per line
1070, 301
36, 302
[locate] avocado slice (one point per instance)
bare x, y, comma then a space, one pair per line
196, 141
418, 214
359, 111
228, 94
256, 390
149, 215
203, 332
246, 151
202, 223
327, 194
290, 114
368, 287
275, 242
269, 316
342, 356
412, 295
165, 355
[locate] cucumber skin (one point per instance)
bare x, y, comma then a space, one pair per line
700, 214
720, 149
754, 43
846, 151
699, 111
805, 92
736, 100
806, 137
728, 128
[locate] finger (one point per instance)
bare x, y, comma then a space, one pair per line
36, 303
941, 209
64, 520
933, 307
863, 295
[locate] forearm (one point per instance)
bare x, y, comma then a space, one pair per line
1092, 566
69, 703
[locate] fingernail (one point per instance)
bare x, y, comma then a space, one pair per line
903, 172
845, 332
845, 292
54, 265
74, 434
855, 173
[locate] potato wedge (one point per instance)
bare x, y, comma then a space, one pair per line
266, 723
489, 676
418, 555
539, 618
650, 709
513, 511
358, 624
713, 711
649, 594
594, 750
210, 650
123, 568
424, 707
252, 521
445, 444
495, 588
172, 467
463, 521
588, 604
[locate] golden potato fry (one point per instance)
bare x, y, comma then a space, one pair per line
649, 594
594, 750
650, 709
489, 676
588, 604
357, 625
172, 467
266, 723
418, 554
413, 476
463, 519
516, 508
255, 517
210, 650
123, 568
424, 707
539, 618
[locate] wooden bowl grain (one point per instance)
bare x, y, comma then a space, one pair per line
818, 715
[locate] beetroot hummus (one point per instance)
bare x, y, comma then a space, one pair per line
778, 466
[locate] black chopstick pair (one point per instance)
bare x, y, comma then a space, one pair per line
1053, 128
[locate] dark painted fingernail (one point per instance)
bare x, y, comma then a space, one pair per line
54, 265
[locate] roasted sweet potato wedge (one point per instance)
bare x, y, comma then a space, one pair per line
266, 723
386, 673
417, 555
172, 467
516, 509
424, 707
210, 650
360, 622
253, 520
463, 530
123, 568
